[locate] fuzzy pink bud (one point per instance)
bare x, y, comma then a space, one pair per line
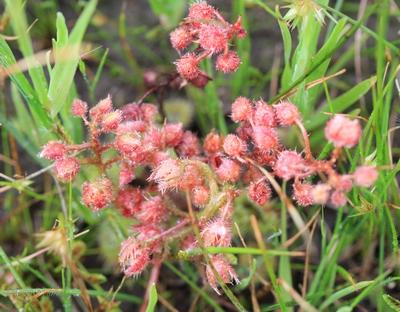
188, 66
173, 134
342, 131
290, 165
98, 194
126, 174
228, 170
189, 146
152, 210
259, 192
111, 120
320, 193
127, 144
128, 201
212, 38
265, 138
201, 11
264, 115
365, 176
167, 175
217, 233
132, 126
191, 177
224, 270
338, 199
133, 257
180, 38
241, 109
148, 112
228, 62
79, 108
302, 193
200, 195
212, 143
66, 168
234, 146
286, 113
53, 150
101, 108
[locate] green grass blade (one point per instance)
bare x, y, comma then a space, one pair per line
153, 297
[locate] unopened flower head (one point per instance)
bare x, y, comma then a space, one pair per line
201, 11
53, 150
241, 109
181, 37
286, 113
228, 170
224, 270
302, 193
189, 145
200, 195
228, 62
98, 194
212, 143
234, 146
128, 201
133, 257
265, 138
365, 176
152, 210
217, 233
66, 168
79, 108
168, 174
188, 66
290, 165
259, 192
264, 115
343, 132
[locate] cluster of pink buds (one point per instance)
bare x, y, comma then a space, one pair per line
205, 27
207, 176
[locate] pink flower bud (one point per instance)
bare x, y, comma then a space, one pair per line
259, 192
224, 270
338, 199
111, 121
126, 174
264, 115
217, 233
66, 168
152, 210
286, 113
167, 175
201, 11
265, 138
180, 38
200, 195
302, 193
191, 177
212, 143
189, 146
188, 66
102, 108
320, 193
133, 258
148, 112
154, 138
147, 234
157, 158
228, 170
53, 150
344, 183
132, 111
245, 131
128, 201
128, 144
234, 146
228, 62
343, 132
365, 176
131, 126
173, 134
291, 165
98, 194
79, 108
264, 158
241, 109
212, 38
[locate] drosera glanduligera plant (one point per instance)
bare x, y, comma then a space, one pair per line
208, 175
279, 193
